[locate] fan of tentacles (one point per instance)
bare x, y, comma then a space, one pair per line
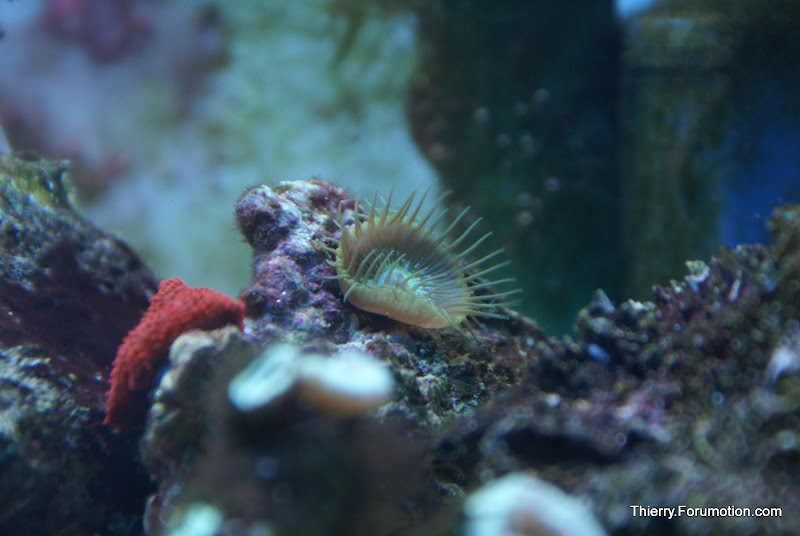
391, 262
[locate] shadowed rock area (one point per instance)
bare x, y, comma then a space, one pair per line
68, 295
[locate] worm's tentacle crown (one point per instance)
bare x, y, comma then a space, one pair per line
393, 262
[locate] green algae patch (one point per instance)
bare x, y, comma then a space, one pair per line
45, 182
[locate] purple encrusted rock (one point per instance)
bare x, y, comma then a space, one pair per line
287, 226
293, 297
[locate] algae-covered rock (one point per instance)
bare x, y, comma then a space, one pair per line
68, 294
178, 422
690, 400
64, 284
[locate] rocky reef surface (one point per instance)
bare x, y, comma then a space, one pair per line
690, 399
323, 419
68, 295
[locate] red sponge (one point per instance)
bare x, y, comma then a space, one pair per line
174, 309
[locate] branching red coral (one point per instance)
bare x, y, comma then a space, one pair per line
174, 309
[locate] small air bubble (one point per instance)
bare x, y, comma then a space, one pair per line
552, 184
524, 218
481, 115
541, 96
